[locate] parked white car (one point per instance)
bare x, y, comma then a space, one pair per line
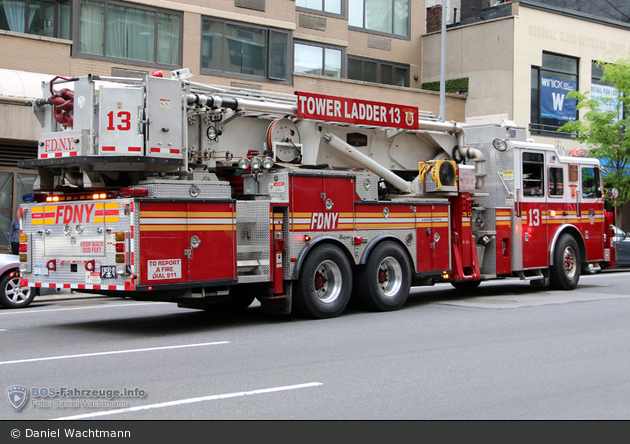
12, 295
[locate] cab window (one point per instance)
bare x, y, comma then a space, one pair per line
591, 187
533, 174
556, 182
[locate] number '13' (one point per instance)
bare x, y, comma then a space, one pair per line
534, 217
124, 121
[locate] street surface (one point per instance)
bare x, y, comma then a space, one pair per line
508, 351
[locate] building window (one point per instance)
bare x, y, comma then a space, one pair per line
378, 71
550, 84
382, 16
50, 18
328, 6
605, 92
244, 51
320, 60
114, 31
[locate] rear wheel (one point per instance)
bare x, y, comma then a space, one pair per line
325, 283
383, 283
12, 295
565, 272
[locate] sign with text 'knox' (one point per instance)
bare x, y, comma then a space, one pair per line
553, 98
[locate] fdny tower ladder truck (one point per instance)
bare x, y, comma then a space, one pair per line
165, 189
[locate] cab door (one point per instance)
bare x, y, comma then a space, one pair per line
561, 202
591, 212
532, 210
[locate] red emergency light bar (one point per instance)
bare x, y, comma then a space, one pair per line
133, 192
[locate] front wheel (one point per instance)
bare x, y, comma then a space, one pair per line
12, 295
325, 283
565, 272
383, 283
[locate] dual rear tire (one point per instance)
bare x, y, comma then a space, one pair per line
326, 281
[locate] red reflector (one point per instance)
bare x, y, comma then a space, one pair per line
89, 265
357, 240
120, 248
133, 192
51, 265
23, 248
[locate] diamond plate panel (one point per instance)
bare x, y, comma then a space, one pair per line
178, 189
253, 223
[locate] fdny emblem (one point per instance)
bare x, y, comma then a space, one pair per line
17, 396
410, 117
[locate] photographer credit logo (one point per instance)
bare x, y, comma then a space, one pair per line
17, 396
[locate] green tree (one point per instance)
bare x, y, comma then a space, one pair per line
603, 131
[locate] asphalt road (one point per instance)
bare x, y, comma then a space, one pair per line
508, 351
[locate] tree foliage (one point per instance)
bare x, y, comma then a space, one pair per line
603, 132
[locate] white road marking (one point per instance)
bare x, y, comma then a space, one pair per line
31, 310
87, 355
191, 401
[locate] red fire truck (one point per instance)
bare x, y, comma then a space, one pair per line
170, 190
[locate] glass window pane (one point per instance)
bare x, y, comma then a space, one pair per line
355, 69
25, 183
41, 18
333, 63
168, 39
556, 182
246, 50
597, 71
560, 63
533, 164
212, 45
308, 59
278, 44
6, 205
400, 77
333, 6
386, 74
535, 94
370, 73
91, 27
401, 17
130, 33
590, 183
355, 13
12, 15
311, 4
65, 19
378, 15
